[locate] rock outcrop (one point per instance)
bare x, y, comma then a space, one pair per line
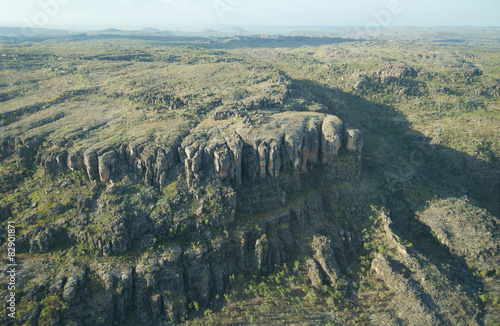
293, 140
333, 138
160, 285
227, 151
469, 232
152, 162
425, 292
324, 258
91, 164
413, 310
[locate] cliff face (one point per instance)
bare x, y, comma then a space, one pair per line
230, 152
243, 151
159, 287
255, 165
214, 158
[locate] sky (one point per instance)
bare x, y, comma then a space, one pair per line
165, 13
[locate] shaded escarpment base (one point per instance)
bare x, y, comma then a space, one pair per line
170, 281
158, 286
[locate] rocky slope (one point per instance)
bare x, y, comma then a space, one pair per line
158, 286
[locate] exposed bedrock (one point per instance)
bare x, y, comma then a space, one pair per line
354, 140
160, 285
333, 132
91, 164
425, 291
469, 232
152, 162
325, 259
75, 160
106, 164
301, 142
296, 141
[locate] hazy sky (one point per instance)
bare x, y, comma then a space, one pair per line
162, 13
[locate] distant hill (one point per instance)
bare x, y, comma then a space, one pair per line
234, 29
150, 29
112, 30
16, 31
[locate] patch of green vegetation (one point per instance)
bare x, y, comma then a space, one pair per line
167, 195
284, 293
52, 306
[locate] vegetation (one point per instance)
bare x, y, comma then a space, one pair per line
426, 206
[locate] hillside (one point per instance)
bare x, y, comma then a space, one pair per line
267, 179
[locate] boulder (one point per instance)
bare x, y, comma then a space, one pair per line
314, 274
106, 165
354, 140
91, 163
325, 257
333, 137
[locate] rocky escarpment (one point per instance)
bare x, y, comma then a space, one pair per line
425, 291
467, 231
296, 141
161, 285
109, 164
220, 163
255, 164
227, 151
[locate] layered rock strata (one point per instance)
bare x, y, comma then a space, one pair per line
298, 141
228, 152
